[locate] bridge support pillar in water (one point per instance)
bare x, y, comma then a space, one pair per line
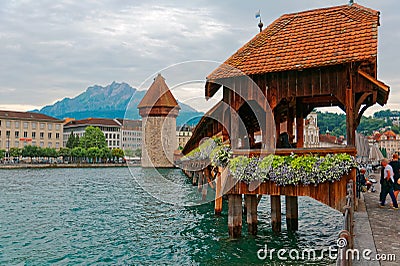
235, 215
251, 204
292, 213
218, 195
276, 214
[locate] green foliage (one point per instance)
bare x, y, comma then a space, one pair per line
2, 154
117, 153
220, 155
15, 152
105, 153
292, 169
30, 151
93, 137
336, 123
49, 152
78, 152
386, 114
94, 153
138, 152
64, 152
73, 141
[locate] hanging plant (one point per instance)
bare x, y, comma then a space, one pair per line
220, 155
292, 169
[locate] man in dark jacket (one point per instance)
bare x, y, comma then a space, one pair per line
396, 171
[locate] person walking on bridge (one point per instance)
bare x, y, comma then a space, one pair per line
396, 171
387, 184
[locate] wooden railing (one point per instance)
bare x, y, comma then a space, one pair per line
346, 239
301, 151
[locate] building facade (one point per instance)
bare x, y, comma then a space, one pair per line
183, 134
311, 131
19, 129
131, 131
388, 141
119, 133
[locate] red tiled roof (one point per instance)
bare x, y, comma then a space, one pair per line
328, 138
26, 116
93, 122
321, 37
390, 133
158, 95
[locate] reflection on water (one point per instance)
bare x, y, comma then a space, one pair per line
104, 216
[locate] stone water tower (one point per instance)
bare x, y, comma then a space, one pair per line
159, 110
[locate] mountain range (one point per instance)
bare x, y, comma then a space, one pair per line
110, 101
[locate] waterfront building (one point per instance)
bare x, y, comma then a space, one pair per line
119, 133
131, 134
388, 140
18, 129
159, 110
183, 134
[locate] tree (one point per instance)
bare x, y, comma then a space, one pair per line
50, 152
15, 152
2, 154
138, 152
93, 137
78, 153
117, 153
105, 154
93, 153
71, 141
30, 151
64, 153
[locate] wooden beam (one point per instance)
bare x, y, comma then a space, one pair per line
350, 117
276, 214
292, 213
218, 195
235, 215
251, 204
299, 125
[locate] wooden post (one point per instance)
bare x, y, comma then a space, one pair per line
205, 188
350, 118
299, 126
276, 214
218, 195
235, 215
199, 180
251, 203
292, 213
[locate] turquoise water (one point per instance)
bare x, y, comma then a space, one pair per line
102, 216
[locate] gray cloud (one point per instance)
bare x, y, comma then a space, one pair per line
52, 49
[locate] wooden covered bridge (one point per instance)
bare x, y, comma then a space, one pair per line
317, 58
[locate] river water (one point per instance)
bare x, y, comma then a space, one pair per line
102, 216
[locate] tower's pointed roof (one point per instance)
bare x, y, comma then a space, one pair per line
158, 99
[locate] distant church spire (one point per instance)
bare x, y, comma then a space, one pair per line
351, 2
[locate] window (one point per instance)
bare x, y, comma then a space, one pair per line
41, 125
25, 125
8, 133
16, 144
17, 134
57, 135
49, 135
106, 135
41, 144
8, 124
57, 145
33, 125
49, 126
25, 134
33, 143
0, 123
57, 127
16, 124
34, 135
41, 136
49, 144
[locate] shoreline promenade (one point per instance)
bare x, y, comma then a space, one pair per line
377, 229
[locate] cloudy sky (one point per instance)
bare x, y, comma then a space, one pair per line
55, 49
